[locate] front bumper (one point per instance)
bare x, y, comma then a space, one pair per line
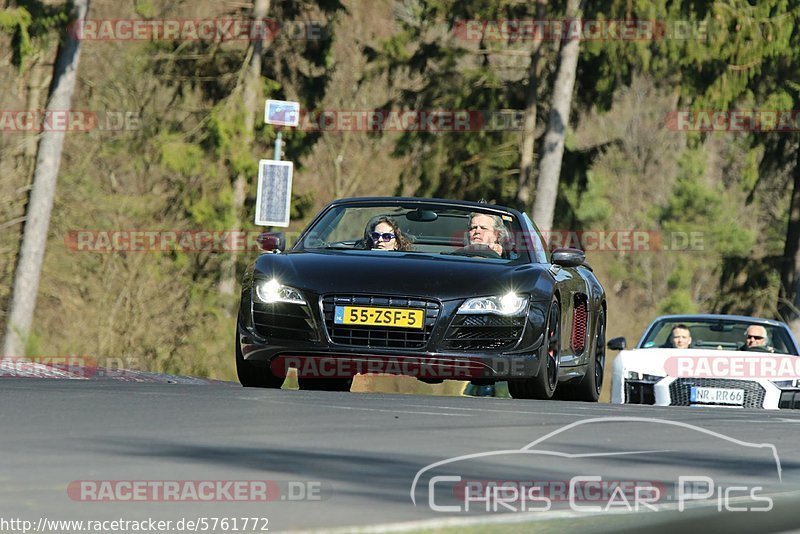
305, 338
758, 393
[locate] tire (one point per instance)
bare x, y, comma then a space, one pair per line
589, 388
252, 375
325, 384
544, 384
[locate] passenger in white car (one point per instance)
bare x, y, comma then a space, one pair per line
681, 336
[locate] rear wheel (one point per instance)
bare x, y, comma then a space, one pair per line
255, 375
589, 388
543, 385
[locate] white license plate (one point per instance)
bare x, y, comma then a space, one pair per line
703, 395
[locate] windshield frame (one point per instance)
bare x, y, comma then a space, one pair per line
778, 335
435, 244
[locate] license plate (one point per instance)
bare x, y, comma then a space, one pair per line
717, 395
389, 317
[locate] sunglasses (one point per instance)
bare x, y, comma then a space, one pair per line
377, 236
748, 336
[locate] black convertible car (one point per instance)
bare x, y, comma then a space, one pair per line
436, 289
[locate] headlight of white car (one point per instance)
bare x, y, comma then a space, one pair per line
508, 305
271, 291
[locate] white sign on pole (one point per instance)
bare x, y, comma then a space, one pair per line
282, 113
274, 197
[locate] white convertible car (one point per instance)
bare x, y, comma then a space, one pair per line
717, 369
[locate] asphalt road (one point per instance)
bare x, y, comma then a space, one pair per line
70, 450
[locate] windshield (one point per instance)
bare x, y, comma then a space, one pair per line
421, 229
728, 334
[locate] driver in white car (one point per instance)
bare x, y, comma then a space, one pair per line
755, 338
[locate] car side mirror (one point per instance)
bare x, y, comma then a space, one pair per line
617, 343
568, 257
272, 241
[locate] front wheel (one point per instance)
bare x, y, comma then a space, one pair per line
543, 385
253, 375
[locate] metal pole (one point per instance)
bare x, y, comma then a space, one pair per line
278, 141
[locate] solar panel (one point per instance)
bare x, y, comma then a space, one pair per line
274, 192
282, 113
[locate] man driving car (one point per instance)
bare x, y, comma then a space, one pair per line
755, 338
487, 230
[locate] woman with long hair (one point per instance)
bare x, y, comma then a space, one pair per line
383, 233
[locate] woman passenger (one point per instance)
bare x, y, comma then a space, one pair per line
384, 234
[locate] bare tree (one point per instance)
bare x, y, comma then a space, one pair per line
252, 99
553, 147
40, 204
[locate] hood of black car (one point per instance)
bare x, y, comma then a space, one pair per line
397, 273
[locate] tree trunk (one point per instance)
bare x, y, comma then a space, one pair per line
528, 139
40, 203
553, 147
252, 99
789, 306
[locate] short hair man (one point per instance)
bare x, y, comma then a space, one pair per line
755, 336
681, 336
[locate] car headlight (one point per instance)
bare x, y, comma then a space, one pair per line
271, 291
507, 305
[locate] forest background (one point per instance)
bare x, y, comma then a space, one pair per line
181, 131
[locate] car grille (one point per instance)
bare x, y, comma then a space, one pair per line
285, 321
481, 332
680, 391
379, 336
